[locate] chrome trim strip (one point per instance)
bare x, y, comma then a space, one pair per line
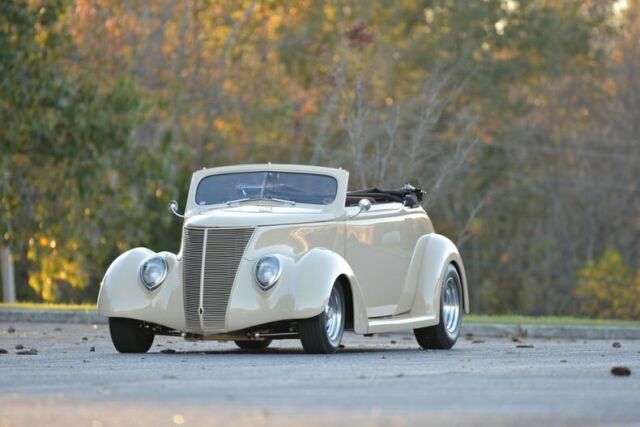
201, 285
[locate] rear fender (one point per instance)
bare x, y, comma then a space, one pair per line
437, 253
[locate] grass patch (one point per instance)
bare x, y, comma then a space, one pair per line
47, 306
511, 319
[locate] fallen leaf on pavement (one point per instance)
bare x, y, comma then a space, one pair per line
477, 341
11, 330
620, 371
167, 350
524, 346
19, 347
3, 351
616, 345
31, 351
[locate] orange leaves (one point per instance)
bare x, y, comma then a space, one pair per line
219, 124
43, 241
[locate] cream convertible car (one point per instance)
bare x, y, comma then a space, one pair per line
284, 251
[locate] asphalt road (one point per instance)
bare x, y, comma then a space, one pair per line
376, 381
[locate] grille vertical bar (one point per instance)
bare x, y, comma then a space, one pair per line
224, 250
191, 270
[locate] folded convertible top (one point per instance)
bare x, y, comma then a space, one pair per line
407, 195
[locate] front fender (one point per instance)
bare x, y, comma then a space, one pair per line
301, 292
437, 253
122, 293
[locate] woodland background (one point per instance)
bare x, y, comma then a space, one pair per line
520, 119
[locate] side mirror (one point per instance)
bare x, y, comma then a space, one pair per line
173, 208
364, 205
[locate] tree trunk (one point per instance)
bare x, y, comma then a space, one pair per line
8, 278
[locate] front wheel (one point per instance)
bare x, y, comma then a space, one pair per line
322, 334
129, 335
444, 335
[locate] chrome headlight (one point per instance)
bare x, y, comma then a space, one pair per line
153, 271
267, 271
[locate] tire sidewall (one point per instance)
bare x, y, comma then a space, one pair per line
128, 336
313, 331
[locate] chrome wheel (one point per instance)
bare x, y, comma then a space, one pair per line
445, 334
322, 333
334, 317
451, 307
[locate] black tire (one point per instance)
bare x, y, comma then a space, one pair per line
253, 345
128, 335
440, 337
313, 332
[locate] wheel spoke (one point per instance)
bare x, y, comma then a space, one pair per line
334, 317
451, 306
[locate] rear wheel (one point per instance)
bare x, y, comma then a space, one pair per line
253, 345
322, 334
129, 335
444, 335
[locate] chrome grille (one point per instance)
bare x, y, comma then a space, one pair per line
208, 279
191, 273
225, 247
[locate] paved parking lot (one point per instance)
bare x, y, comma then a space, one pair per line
77, 378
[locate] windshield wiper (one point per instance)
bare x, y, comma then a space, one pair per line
275, 199
256, 199
244, 199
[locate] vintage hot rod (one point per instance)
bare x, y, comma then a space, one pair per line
274, 251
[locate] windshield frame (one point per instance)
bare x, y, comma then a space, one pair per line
263, 197
335, 209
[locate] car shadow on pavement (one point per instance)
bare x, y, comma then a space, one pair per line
276, 351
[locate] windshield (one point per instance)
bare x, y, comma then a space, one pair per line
278, 186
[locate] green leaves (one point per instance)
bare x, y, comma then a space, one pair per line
73, 176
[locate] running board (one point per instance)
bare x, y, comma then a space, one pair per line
394, 324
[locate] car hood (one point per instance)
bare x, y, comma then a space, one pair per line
257, 215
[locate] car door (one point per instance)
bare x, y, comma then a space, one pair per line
379, 246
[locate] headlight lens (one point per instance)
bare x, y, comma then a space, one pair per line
153, 271
267, 271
